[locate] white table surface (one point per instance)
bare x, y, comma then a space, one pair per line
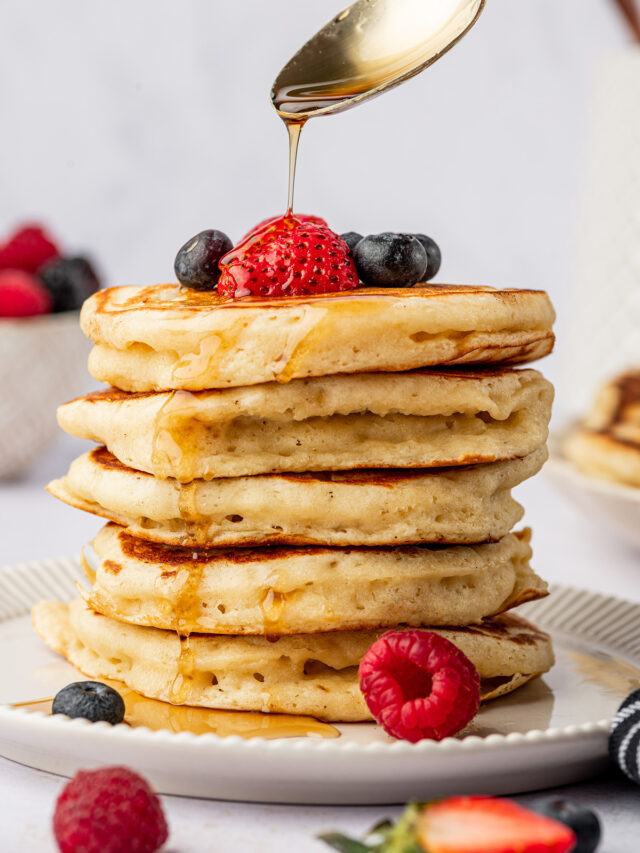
567, 548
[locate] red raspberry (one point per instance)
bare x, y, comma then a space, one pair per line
28, 249
110, 810
419, 685
288, 257
22, 295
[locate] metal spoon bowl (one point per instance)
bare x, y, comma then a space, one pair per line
369, 47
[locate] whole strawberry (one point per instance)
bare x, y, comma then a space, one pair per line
110, 810
289, 256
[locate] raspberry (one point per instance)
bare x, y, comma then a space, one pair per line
110, 810
288, 257
22, 295
419, 685
28, 249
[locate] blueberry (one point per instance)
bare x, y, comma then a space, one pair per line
196, 263
69, 281
351, 238
92, 700
390, 260
581, 820
434, 255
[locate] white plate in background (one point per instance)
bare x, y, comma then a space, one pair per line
609, 504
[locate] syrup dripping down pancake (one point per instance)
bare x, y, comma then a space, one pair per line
164, 337
313, 674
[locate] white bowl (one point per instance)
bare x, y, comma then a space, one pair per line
43, 362
613, 505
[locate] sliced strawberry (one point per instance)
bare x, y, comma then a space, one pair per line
288, 257
489, 825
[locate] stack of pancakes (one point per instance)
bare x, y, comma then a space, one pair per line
287, 479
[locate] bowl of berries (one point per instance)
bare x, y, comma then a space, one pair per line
43, 354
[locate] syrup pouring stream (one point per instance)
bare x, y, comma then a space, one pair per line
368, 48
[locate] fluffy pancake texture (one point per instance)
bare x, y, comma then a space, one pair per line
607, 444
365, 507
377, 420
278, 591
165, 337
286, 479
302, 674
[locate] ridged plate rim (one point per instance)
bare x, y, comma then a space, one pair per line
594, 616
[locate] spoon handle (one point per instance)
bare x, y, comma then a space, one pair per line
631, 15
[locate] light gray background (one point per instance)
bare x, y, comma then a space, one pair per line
129, 126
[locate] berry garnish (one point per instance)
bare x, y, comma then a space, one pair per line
463, 825
69, 281
390, 260
22, 295
110, 810
434, 256
419, 685
28, 249
584, 823
351, 238
266, 223
91, 700
288, 257
196, 264
488, 825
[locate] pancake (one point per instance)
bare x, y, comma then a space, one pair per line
600, 455
276, 591
420, 419
302, 674
607, 445
369, 507
166, 337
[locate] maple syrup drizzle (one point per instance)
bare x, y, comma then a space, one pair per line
210, 353
321, 331
35, 704
187, 612
188, 511
161, 716
180, 688
189, 604
173, 445
318, 314
273, 607
294, 129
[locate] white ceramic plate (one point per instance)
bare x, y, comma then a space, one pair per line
551, 732
613, 505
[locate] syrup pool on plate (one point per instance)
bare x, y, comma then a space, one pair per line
162, 716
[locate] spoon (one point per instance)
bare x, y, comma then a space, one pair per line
369, 47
